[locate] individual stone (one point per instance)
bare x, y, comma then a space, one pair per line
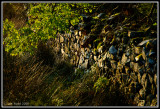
105, 56
95, 58
61, 39
75, 45
112, 50
139, 58
150, 78
143, 43
124, 59
62, 51
82, 51
132, 65
66, 49
132, 57
155, 79
75, 53
113, 64
144, 76
80, 33
145, 53
136, 67
139, 78
85, 64
100, 63
137, 50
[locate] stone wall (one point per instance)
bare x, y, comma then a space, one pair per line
131, 60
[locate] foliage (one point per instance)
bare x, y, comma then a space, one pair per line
102, 82
57, 102
45, 20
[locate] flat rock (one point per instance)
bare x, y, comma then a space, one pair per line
124, 59
143, 43
112, 50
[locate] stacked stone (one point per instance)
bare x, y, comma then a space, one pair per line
133, 62
136, 72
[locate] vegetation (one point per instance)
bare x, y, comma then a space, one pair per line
35, 73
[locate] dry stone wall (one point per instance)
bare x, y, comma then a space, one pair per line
131, 61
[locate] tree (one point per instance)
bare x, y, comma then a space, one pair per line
44, 21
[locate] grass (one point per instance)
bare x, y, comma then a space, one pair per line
47, 79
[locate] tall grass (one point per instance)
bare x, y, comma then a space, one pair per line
46, 79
